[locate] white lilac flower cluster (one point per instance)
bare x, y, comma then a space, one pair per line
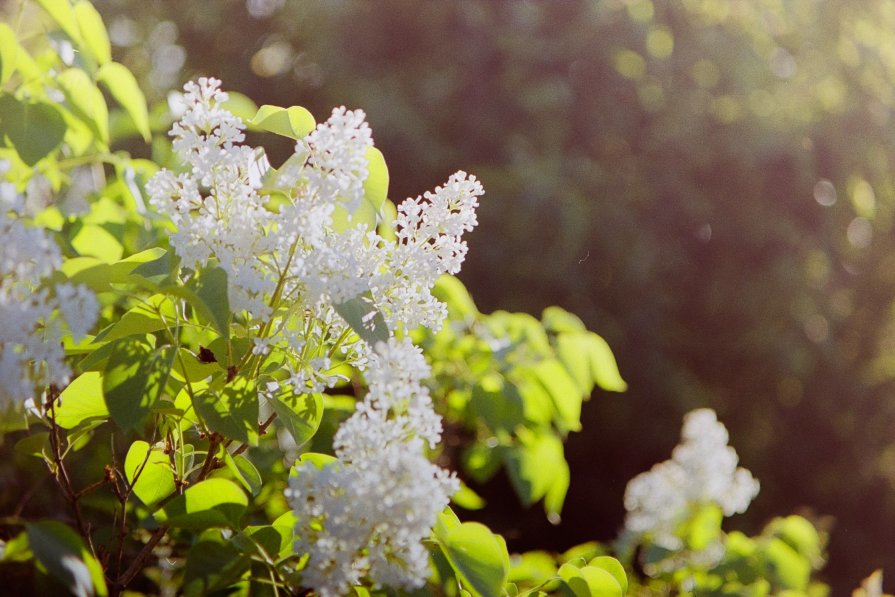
293, 254
364, 516
219, 214
32, 313
702, 470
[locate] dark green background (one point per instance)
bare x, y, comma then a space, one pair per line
667, 198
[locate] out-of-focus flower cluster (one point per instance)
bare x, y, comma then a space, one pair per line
702, 470
365, 515
32, 312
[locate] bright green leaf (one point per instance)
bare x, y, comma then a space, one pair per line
82, 401
154, 314
786, 567
533, 465
123, 86
376, 183
705, 528
467, 499
558, 320
459, 302
232, 411
85, 101
603, 365
35, 129
96, 241
478, 556
300, 414
149, 472
240, 105
294, 122
563, 390
9, 49
613, 567
210, 503
64, 15
66, 557
556, 493
93, 32
589, 581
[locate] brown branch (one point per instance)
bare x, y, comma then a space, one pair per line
125, 578
60, 474
262, 429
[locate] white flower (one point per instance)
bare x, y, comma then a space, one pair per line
366, 514
31, 355
702, 470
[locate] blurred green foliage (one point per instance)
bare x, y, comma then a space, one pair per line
707, 183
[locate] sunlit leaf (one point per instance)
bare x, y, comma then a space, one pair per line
86, 101
64, 15
81, 401
93, 31
123, 86
244, 472
478, 556
9, 49
294, 122
156, 477
211, 503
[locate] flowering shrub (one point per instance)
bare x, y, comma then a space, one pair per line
238, 375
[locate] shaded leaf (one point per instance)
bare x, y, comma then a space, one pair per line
364, 318
133, 381
300, 414
232, 411
35, 129
478, 556
65, 556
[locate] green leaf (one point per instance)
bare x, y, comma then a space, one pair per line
37, 444
9, 49
376, 183
213, 565
65, 556
93, 32
603, 365
467, 499
563, 390
556, 493
452, 292
798, 533
294, 122
156, 477
705, 528
35, 129
240, 105
244, 471
86, 101
155, 314
232, 411
300, 414
533, 465
96, 241
210, 503
134, 379
82, 401
364, 318
590, 581
786, 567
478, 556
558, 320
613, 567
123, 86
211, 288
64, 15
